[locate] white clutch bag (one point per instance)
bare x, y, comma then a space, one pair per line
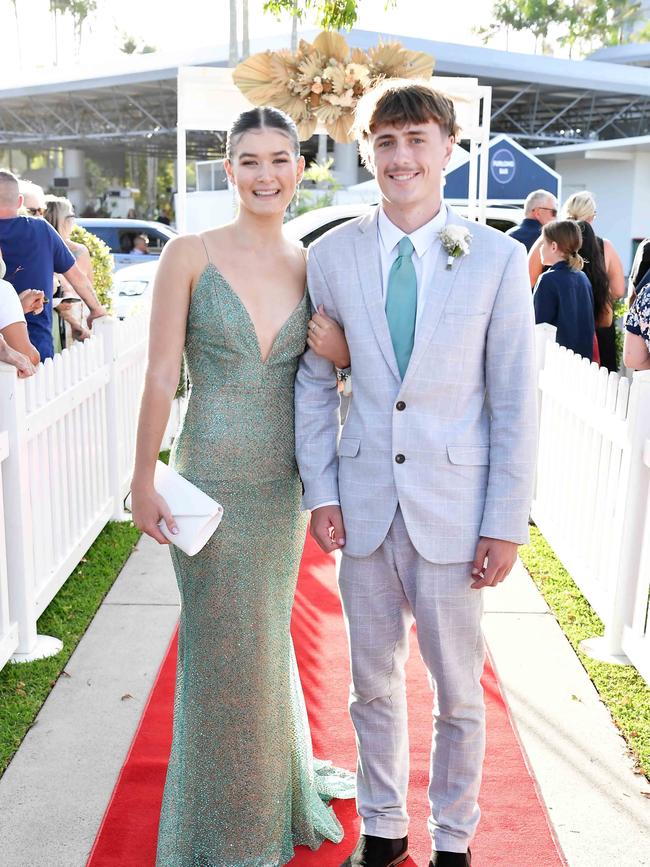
197, 515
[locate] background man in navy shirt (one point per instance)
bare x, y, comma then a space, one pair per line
540, 208
33, 252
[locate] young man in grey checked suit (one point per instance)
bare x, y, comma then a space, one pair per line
433, 470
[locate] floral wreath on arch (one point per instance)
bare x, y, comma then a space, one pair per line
322, 82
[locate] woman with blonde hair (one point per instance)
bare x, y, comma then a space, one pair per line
581, 207
59, 212
563, 296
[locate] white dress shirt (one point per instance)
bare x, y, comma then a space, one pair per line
425, 240
427, 247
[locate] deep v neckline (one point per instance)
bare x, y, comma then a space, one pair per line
249, 318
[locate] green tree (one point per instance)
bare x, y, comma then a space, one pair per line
131, 45
642, 35
583, 24
319, 176
79, 10
592, 23
536, 16
330, 14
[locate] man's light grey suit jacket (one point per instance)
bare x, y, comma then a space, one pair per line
468, 429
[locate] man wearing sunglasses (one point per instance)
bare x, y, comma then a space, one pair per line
33, 252
33, 199
540, 208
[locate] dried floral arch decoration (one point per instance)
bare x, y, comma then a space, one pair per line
321, 83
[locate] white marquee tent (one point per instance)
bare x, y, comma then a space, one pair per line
209, 100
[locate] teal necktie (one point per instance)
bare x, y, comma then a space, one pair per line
402, 304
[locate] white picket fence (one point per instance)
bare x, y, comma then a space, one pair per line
8, 627
67, 445
592, 491
70, 433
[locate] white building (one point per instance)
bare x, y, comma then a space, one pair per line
617, 172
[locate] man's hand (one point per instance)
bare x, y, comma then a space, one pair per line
22, 364
327, 527
96, 313
493, 561
79, 332
32, 300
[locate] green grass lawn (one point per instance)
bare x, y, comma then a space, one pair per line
24, 687
621, 687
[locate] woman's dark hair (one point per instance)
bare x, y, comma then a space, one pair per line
594, 268
265, 117
568, 237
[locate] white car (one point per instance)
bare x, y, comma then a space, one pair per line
119, 235
132, 287
132, 284
311, 225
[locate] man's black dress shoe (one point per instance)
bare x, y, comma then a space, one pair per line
451, 859
378, 852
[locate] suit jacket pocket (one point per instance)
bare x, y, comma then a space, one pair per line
348, 447
469, 455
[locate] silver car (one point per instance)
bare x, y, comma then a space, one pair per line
119, 235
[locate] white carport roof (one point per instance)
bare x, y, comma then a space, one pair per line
131, 102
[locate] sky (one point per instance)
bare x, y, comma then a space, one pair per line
195, 23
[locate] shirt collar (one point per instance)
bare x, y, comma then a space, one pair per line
422, 238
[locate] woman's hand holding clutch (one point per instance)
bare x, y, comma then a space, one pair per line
148, 509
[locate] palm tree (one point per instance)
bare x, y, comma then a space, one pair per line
233, 52
20, 53
245, 41
294, 27
79, 10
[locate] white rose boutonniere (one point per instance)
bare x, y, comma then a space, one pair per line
456, 241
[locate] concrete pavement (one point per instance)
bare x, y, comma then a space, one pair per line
54, 793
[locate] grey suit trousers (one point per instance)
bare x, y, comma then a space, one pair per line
382, 594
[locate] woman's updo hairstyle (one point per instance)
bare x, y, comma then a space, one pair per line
568, 237
265, 117
579, 206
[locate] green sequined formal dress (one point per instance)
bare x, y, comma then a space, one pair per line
241, 788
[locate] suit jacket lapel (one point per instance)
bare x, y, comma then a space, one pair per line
442, 282
369, 271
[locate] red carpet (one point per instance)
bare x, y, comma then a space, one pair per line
514, 831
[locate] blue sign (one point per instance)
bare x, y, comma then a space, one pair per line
512, 174
503, 166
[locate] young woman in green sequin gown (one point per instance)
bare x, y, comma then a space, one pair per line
242, 787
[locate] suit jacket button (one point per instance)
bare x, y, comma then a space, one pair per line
399, 459
400, 405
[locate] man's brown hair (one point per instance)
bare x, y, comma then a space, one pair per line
398, 102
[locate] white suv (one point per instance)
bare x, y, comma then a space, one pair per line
311, 225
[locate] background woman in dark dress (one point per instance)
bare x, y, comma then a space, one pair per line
594, 267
